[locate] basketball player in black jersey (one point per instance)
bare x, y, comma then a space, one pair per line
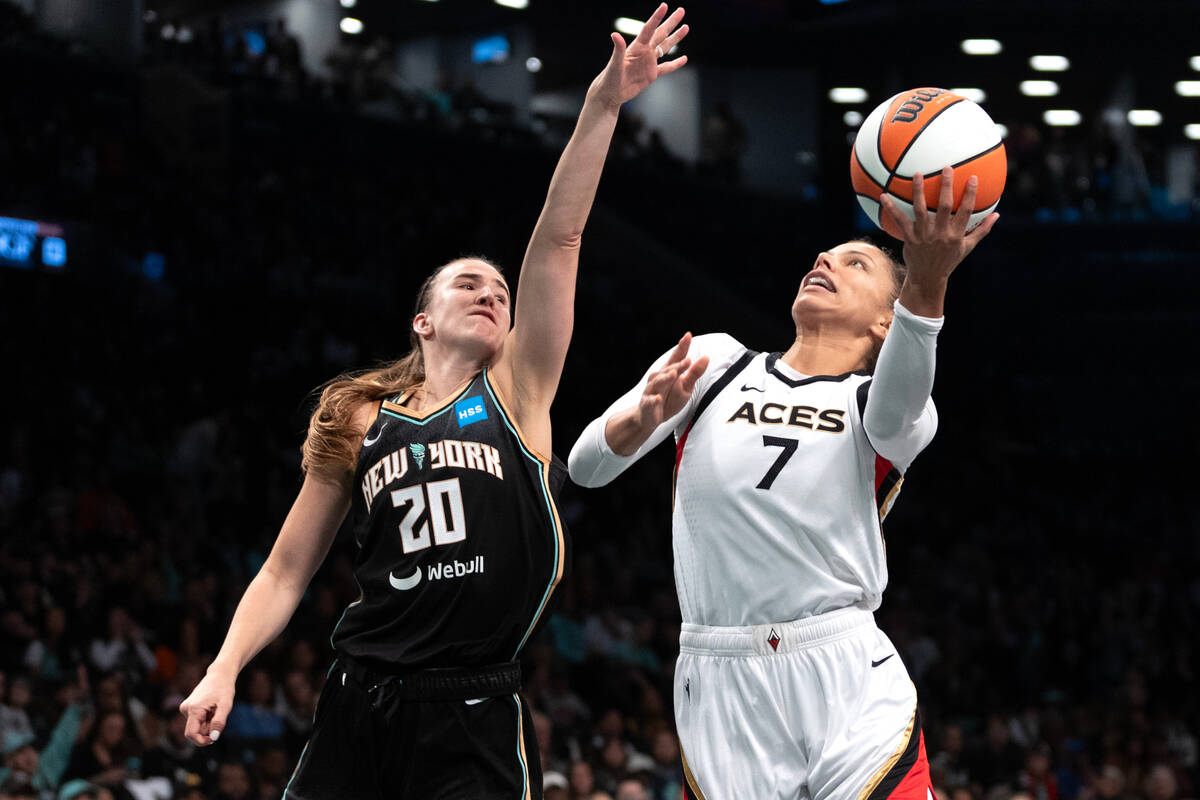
443, 460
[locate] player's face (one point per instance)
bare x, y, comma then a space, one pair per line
469, 307
851, 284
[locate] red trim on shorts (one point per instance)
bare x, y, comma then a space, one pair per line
910, 777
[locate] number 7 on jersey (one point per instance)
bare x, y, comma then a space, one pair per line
789, 448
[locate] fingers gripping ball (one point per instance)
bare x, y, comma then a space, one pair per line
922, 131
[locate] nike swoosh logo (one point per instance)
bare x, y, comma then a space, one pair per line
475, 702
880, 661
404, 584
368, 441
748, 388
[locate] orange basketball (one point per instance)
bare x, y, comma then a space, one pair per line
922, 131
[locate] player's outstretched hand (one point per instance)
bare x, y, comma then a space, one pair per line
934, 244
207, 707
633, 67
670, 387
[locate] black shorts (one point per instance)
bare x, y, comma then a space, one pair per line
370, 742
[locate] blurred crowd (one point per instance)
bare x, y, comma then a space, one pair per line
1045, 599
1104, 170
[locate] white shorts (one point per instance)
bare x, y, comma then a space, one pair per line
818, 708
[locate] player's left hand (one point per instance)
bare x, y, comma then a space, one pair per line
633, 67
934, 244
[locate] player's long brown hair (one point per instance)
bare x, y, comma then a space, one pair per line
330, 450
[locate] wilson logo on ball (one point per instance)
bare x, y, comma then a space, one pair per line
911, 108
919, 132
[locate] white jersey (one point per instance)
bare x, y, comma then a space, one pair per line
779, 490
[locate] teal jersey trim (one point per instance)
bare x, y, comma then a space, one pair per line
549, 510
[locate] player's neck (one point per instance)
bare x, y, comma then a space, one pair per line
442, 377
826, 353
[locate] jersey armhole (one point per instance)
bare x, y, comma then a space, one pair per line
511, 418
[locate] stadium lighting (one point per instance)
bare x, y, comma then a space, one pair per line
848, 94
512, 3
1144, 117
1062, 117
629, 26
349, 3
533, 64
1039, 88
1050, 63
981, 47
852, 118
972, 94
1002, 130
1195, 62
1192, 130
1187, 88
351, 25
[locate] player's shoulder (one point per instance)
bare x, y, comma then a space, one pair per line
362, 415
719, 347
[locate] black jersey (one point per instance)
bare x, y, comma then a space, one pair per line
460, 543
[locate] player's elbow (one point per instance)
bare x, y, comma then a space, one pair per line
884, 428
584, 472
587, 478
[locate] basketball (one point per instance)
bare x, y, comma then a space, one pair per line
920, 132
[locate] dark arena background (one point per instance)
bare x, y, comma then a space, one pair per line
208, 209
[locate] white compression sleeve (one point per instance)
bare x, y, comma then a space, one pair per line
900, 418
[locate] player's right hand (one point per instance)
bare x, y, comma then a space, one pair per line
670, 387
207, 707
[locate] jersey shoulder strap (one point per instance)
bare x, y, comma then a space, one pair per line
720, 383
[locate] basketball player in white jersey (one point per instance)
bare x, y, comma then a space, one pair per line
786, 465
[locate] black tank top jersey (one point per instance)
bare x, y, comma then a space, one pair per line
460, 543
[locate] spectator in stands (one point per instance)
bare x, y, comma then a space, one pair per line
105, 756
1161, 783
631, 789
14, 705
124, 650
174, 757
299, 707
582, 779
947, 766
997, 759
668, 769
233, 781
254, 715
51, 655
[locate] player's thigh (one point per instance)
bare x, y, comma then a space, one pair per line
735, 738
875, 749
341, 758
484, 749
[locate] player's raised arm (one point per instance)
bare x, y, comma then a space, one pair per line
546, 288
899, 416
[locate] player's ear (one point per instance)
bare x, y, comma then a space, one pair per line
423, 325
882, 325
